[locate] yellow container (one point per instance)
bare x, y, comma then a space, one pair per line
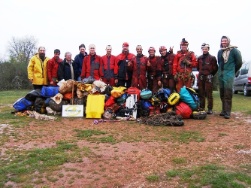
95, 106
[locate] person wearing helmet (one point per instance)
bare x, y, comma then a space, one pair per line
110, 67
139, 66
153, 72
183, 63
167, 67
207, 67
124, 77
229, 61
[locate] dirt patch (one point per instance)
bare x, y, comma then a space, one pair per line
136, 150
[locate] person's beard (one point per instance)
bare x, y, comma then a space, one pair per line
42, 56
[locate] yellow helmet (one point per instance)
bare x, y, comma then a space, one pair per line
173, 98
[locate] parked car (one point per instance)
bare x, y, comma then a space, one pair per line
195, 73
242, 80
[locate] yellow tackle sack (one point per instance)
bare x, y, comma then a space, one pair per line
95, 106
173, 98
118, 91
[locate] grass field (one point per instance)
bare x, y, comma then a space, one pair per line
199, 154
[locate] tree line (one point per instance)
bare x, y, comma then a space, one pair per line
13, 72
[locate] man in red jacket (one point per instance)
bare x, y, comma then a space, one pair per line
124, 77
140, 65
52, 68
92, 65
110, 66
167, 58
154, 71
183, 63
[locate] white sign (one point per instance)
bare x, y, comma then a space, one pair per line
73, 111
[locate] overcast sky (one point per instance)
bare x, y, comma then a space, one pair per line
66, 24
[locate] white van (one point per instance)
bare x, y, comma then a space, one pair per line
242, 80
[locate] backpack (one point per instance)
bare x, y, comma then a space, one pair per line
163, 94
49, 91
199, 114
110, 102
122, 99
133, 91
32, 95
22, 104
118, 91
190, 97
184, 110
143, 108
145, 94
174, 98
39, 105
163, 107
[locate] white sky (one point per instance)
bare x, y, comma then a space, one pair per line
66, 24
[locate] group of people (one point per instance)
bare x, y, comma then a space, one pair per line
169, 70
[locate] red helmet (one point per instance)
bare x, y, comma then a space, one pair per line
125, 44
151, 48
161, 48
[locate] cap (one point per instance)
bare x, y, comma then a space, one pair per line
125, 44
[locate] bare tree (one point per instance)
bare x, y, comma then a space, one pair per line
22, 49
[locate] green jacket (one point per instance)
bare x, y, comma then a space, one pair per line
227, 70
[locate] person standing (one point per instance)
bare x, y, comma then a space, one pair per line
52, 68
79, 59
92, 65
139, 66
68, 69
37, 69
230, 61
110, 66
167, 59
154, 71
207, 68
183, 63
124, 59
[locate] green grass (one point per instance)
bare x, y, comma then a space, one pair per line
179, 160
20, 166
210, 176
152, 178
88, 133
9, 97
239, 103
187, 136
95, 136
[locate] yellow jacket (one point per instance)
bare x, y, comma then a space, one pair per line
37, 70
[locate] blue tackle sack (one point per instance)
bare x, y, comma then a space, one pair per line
49, 91
190, 97
22, 104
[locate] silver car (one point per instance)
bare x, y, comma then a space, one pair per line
242, 80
